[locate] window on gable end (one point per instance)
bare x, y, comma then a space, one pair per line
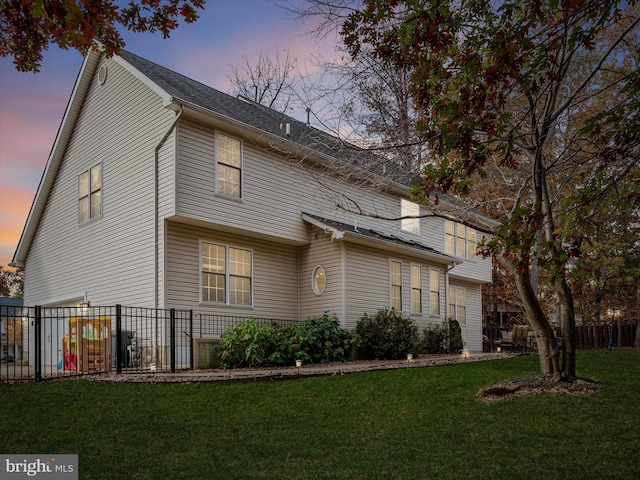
228, 166
90, 194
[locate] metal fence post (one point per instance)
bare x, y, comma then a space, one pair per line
172, 334
118, 338
191, 359
38, 342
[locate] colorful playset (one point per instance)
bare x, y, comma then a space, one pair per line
87, 346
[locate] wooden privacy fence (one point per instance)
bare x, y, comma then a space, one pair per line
600, 336
587, 336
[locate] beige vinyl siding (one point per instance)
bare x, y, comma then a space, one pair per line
368, 288
367, 282
166, 206
262, 208
472, 330
275, 192
322, 251
275, 273
111, 257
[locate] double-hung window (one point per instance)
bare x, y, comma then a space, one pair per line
459, 240
226, 274
458, 304
228, 166
434, 286
416, 289
90, 194
396, 285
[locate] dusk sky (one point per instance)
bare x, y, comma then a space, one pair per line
32, 105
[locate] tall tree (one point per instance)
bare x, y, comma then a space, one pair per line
11, 283
28, 27
376, 102
270, 81
547, 88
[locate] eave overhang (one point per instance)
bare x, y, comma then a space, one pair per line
340, 231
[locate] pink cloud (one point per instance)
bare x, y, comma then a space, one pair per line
211, 61
15, 203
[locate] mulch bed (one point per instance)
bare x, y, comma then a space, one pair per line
535, 385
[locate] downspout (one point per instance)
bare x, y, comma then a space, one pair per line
156, 202
299, 307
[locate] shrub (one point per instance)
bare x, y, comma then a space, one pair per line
388, 334
456, 344
443, 338
435, 339
316, 340
246, 345
326, 340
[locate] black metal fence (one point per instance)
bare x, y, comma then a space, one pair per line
40, 343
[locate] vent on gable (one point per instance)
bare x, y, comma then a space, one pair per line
102, 74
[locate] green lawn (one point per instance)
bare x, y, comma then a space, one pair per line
419, 423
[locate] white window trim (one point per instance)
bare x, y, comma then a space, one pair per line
391, 285
420, 287
439, 314
217, 134
88, 172
466, 254
454, 315
314, 287
227, 275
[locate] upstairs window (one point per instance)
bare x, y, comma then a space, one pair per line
459, 240
229, 166
409, 211
90, 194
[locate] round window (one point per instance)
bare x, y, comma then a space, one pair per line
319, 280
102, 74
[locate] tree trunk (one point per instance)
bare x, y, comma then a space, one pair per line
545, 338
567, 325
637, 342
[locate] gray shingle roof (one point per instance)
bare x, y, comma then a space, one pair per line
373, 234
266, 120
240, 110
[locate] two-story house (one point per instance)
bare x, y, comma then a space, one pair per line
162, 192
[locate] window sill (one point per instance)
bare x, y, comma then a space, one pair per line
90, 221
204, 303
224, 196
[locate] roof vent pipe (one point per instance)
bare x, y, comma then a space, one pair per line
308, 116
287, 129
